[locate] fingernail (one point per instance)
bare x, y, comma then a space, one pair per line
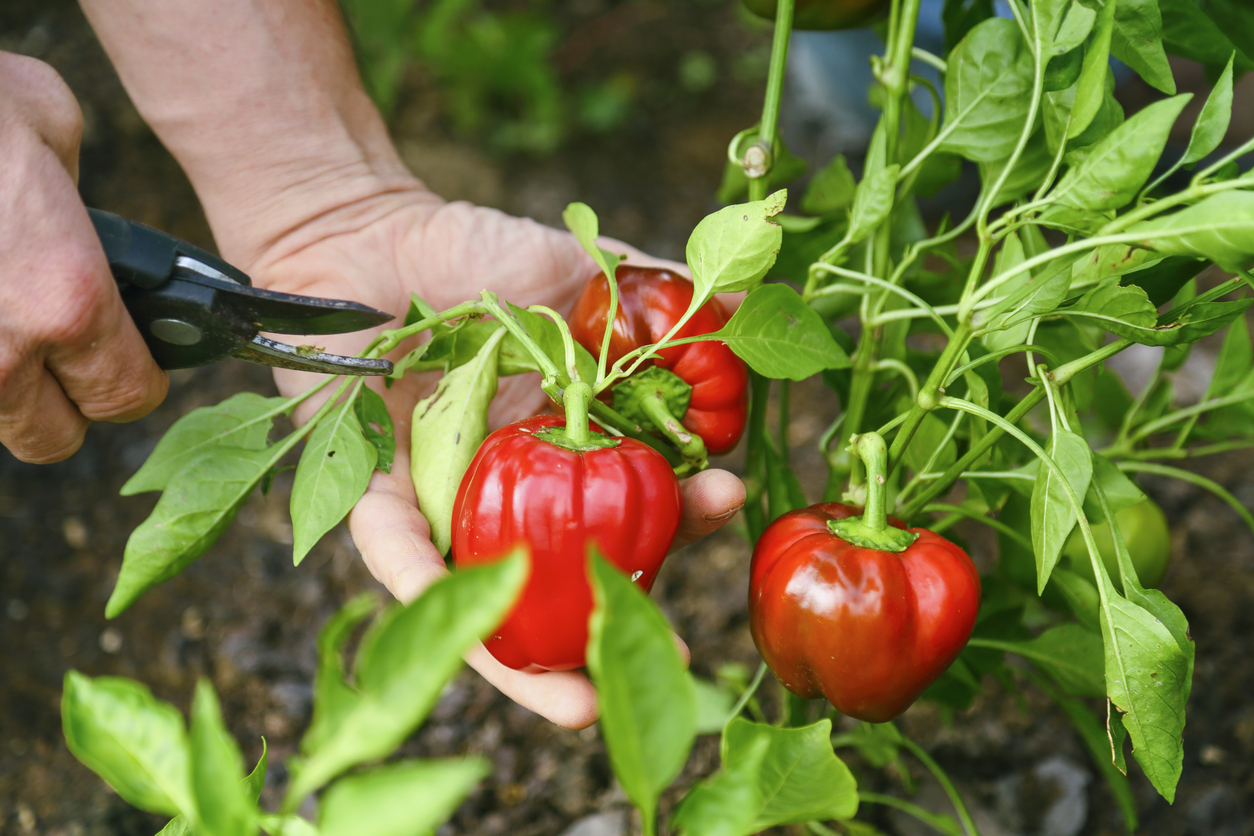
726, 515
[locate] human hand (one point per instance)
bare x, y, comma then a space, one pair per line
69, 353
380, 250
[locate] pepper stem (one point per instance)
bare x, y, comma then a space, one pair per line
871, 530
576, 398
870, 447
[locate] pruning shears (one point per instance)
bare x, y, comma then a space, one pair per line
193, 308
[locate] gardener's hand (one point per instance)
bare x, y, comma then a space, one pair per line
445, 253
304, 190
69, 353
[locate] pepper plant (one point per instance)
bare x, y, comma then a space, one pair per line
1074, 252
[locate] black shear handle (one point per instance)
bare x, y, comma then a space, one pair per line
145, 257
184, 315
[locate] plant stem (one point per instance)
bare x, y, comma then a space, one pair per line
959, 807
552, 374
871, 449
748, 694
755, 455
568, 342
691, 447
389, 340
575, 399
774, 91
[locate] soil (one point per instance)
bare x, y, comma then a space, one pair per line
245, 618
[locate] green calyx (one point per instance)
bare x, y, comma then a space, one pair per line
577, 435
558, 437
855, 530
652, 384
656, 399
871, 530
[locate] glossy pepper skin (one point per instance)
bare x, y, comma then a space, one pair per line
868, 629
521, 489
823, 14
650, 302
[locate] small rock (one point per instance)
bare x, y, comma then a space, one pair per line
599, 824
111, 640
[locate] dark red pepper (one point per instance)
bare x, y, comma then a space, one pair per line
868, 628
650, 302
524, 487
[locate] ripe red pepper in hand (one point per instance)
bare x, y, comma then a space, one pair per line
650, 302
867, 624
524, 487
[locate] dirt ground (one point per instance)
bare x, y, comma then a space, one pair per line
244, 617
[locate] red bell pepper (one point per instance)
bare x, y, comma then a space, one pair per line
650, 302
528, 485
867, 614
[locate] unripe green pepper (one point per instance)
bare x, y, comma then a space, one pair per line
1144, 528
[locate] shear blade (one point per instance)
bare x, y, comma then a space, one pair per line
308, 359
287, 313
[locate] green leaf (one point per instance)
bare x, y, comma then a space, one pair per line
1075, 28
447, 429
1232, 367
1029, 172
961, 16
178, 826
1091, 91
217, 772
770, 776
410, 798
197, 505
1121, 492
648, 703
241, 421
872, 202
726, 804
333, 474
1125, 311
1047, 18
734, 248
1027, 297
988, 91
582, 222
800, 779
1163, 279
404, 663
1138, 42
376, 426
780, 336
1052, 514
1118, 166
334, 698
1147, 678
549, 337
1220, 228
256, 779
1193, 33
1071, 655
928, 439
831, 189
1009, 257
132, 740
714, 704
287, 826
1212, 123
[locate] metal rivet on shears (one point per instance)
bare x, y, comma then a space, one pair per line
175, 331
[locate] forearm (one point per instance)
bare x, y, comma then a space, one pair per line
260, 102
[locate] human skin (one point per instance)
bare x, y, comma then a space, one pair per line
68, 352
260, 102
